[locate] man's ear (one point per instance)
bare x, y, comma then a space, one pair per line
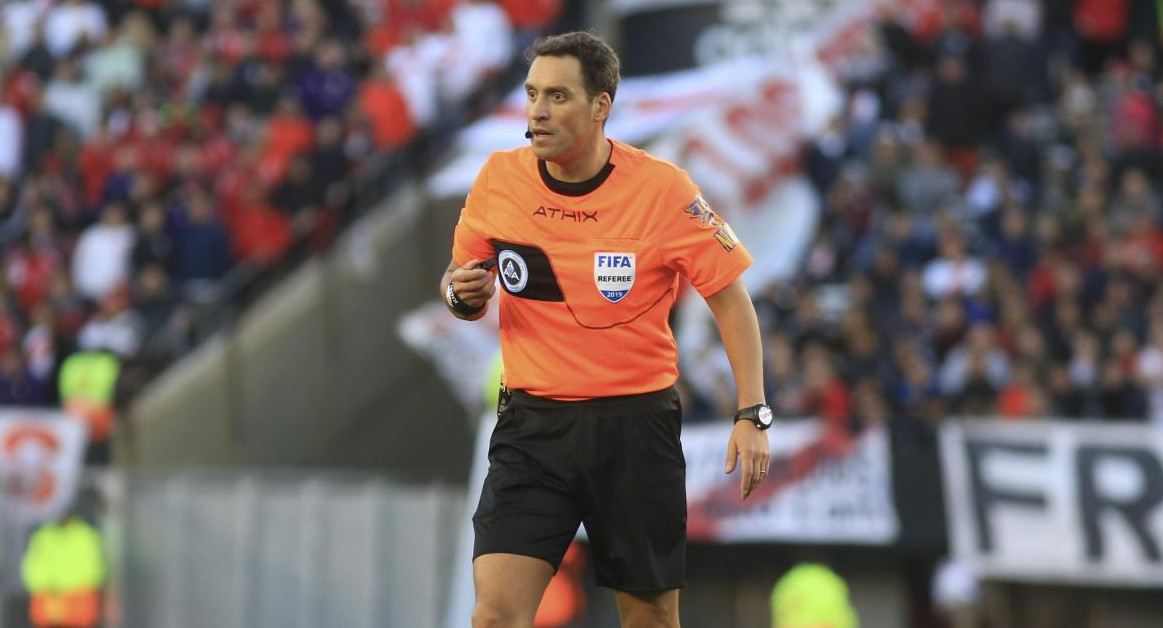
602, 107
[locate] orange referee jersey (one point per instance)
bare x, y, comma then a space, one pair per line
589, 271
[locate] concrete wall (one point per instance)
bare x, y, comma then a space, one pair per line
283, 550
314, 373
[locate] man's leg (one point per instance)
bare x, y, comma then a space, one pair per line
509, 589
648, 610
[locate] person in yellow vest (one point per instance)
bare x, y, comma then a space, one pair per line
811, 595
88, 383
63, 570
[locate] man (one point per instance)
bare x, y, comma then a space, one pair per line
589, 237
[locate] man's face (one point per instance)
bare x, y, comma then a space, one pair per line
560, 113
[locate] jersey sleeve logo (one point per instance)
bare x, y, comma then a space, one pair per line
614, 275
700, 211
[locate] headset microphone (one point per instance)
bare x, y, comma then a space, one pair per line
528, 134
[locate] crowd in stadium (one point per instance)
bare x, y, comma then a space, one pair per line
150, 147
991, 208
989, 194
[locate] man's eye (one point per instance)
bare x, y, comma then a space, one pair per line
531, 94
559, 96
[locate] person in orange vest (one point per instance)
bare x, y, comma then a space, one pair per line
63, 570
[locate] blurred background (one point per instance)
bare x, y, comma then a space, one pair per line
230, 396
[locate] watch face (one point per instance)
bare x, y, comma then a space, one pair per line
764, 415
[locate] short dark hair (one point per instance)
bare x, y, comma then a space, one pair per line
599, 63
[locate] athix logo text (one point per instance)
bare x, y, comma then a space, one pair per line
568, 215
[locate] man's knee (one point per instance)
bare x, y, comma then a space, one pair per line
649, 611
660, 618
487, 615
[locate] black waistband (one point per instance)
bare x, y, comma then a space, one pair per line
524, 399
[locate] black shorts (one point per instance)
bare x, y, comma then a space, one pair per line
613, 464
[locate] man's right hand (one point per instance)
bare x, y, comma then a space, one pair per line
473, 285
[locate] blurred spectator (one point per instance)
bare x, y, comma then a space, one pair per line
119, 63
417, 63
88, 385
63, 569
978, 362
1015, 246
113, 327
953, 272
383, 105
201, 248
1150, 372
72, 24
957, 594
327, 87
288, 133
1136, 195
157, 307
41, 347
10, 149
71, 100
261, 233
300, 197
22, 20
1011, 73
1021, 397
954, 108
1119, 397
828, 396
17, 385
40, 129
1102, 27
153, 244
784, 384
927, 183
32, 260
811, 595
101, 259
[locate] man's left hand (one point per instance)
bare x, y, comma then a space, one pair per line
749, 443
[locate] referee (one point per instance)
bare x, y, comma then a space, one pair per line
589, 237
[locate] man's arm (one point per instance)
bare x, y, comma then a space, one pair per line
738, 326
471, 285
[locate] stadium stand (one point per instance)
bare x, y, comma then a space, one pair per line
991, 209
163, 161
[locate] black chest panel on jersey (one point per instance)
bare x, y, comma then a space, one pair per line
525, 272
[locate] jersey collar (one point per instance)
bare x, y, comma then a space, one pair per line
576, 188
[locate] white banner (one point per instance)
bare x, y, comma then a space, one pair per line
1056, 502
41, 454
820, 488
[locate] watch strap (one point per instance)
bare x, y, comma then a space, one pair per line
458, 306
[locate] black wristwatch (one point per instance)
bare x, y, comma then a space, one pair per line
458, 306
758, 414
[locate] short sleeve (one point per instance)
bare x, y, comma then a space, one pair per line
470, 239
697, 242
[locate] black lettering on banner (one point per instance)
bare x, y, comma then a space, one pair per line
985, 497
1136, 511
